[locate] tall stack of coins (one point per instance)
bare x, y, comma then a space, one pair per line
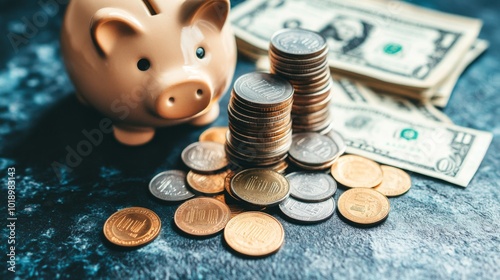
260, 131
300, 56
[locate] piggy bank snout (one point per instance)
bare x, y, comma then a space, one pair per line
184, 99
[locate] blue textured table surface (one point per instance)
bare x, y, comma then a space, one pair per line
435, 230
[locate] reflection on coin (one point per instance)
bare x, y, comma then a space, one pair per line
205, 156
202, 216
214, 134
298, 42
311, 187
308, 212
262, 89
313, 148
170, 186
363, 206
254, 234
356, 172
395, 182
207, 183
261, 187
132, 227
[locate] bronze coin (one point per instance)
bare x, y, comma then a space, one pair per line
363, 206
132, 227
214, 134
202, 216
207, 183
356, 172
395, 181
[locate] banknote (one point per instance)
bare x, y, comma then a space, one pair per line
440, 150
382, 41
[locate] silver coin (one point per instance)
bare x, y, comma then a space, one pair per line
263, 89
205, 156
308, 212
170, 186
313, 148
311, 186
298, 42
339, 140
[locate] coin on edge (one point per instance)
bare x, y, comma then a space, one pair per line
395, 182
170, 186
202, 216
356, 172
214, 134
254, 234
205, 156
307, 212
363, 206
132, 227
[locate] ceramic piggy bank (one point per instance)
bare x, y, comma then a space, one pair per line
149, 63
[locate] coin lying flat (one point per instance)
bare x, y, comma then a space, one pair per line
339, 141
308, 212
311, 187
254, 234
260, 187
170, 186
207, 183
214, 134
363, 206
395, 182
205, 156
313, 149
356, 172
132, 227
202, 216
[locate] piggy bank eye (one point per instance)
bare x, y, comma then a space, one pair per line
200, 52
143, 64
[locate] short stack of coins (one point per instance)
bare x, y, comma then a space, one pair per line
260, 125
301, 57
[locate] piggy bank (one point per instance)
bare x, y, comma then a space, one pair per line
149, 63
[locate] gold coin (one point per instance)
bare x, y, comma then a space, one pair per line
214, 134
132, 227
207, 183
234, 208
356, 172
254, 234
395, 182
202, 216
363, 206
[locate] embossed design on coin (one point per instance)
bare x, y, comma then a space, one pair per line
356, 172
313, 148
311, 187
207, 183
202, 216
298, 42
170, 186
261, 89
132, 227
214, 134
395, 182
308, 212
261, 187
254, 234
205, 156
363, 206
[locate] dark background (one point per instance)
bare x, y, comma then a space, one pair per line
436, 230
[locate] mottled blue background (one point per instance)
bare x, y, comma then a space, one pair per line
436, 230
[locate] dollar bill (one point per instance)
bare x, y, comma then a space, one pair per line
440, 150
383, 42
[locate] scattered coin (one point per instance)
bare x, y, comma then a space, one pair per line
363, 206
205, 156
313, 151
170, 186
207, 183
307, 212
202, 216
339, 141
395, 181
356, 172
132, 227
254, 234
260, 187
311, 187
214, 134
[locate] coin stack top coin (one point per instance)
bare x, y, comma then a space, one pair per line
259, 120
301, 56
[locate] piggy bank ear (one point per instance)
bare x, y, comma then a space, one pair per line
215, 11
108, 25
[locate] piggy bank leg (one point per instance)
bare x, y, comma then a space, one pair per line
133, 136
207, 117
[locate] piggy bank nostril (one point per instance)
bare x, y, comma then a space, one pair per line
199, 92
171, 101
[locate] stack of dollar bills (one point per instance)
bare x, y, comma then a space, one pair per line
392, 63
